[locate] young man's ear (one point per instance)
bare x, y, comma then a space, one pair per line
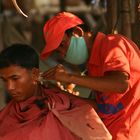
78, 31
35, 74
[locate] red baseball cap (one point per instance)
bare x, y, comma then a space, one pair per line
54, 30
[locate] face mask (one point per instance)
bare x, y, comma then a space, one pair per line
77, 52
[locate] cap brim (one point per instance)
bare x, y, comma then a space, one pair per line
45, 55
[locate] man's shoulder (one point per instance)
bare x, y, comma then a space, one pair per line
112, 37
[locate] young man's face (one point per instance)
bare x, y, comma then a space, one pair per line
19, 82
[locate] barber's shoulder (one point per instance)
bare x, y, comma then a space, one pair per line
114, 36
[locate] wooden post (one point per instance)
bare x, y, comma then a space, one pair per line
125, 18
1, 18
2, 102
62, 5
37, 39
136, 22
111, 15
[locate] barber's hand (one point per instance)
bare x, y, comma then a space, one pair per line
57, 73
60, 75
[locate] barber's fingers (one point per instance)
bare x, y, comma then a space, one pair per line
54, 69
54, 72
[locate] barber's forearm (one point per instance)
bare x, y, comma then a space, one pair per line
112, 81
102, 84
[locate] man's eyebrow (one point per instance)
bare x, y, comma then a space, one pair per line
12, 76
2, 78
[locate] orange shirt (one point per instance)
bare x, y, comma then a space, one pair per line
119, 112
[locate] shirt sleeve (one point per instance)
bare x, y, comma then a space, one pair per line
115, 55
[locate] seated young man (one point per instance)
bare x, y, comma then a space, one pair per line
37, 112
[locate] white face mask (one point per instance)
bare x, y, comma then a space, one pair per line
77, 52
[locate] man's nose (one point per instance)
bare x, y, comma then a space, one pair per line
10, 85
62, 52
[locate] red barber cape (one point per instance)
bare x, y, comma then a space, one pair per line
53, 116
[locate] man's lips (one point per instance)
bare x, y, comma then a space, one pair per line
14, 94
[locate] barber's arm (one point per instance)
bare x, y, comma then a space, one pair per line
112, 81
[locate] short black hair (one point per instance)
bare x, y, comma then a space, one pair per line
20, 55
